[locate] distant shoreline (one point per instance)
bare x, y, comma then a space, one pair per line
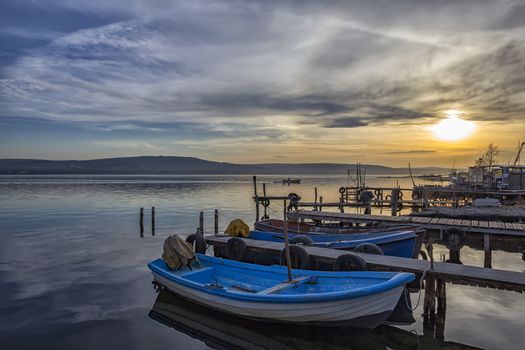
171, 165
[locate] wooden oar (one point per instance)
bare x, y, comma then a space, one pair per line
287, 251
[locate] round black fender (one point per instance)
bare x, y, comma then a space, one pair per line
368, 248
200, 243
299, 256
350, 262
302, 240
235, 248
342, 190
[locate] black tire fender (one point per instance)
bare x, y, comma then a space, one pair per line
302, 240
350, 262
299, 256
200, 243
235, 248
368, 248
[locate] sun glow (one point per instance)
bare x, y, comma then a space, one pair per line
453, 128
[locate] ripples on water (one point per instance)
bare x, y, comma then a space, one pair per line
73, 268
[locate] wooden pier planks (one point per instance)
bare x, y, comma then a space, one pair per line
474, 226
454, 273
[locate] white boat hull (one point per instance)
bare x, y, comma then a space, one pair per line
362, 311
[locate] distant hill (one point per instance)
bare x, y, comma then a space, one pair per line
186, 165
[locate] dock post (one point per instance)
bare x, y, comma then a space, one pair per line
441, 295
315, 201
425, 199
284, 209
487, 250
320, 203
201, 223
216, 222
153, 221
429, 307
393, 201
256, 198
265, 203
141, 222
341, 208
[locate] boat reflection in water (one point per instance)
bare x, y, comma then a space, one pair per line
221, 331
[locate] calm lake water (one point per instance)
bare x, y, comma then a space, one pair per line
73, 270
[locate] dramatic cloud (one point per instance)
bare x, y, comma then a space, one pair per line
256, 69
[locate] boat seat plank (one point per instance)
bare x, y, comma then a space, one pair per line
196, 271
285, 285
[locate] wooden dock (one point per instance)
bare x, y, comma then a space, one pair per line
440, 224
453, 273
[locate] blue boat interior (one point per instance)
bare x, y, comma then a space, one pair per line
394, 243
220, 276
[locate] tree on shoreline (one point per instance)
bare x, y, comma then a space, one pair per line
488, 158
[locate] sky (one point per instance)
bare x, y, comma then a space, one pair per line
263, 81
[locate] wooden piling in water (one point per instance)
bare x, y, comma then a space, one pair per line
441, 295
315, 201
141, 222
201, 223
153, 221
216, 222
429, 306
256, 198
487, 249
394, 201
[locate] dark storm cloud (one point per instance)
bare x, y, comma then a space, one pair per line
122, 65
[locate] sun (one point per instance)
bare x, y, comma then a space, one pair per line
453, 128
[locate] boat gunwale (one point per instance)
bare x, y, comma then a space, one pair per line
392, 280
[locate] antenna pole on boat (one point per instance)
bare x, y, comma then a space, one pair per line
287, 250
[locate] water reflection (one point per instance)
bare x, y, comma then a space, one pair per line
221, 331
73, 268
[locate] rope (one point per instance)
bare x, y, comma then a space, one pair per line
407, 293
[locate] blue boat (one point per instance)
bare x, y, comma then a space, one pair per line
263, 293
400, 243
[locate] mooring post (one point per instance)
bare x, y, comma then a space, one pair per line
320, 203
265, 202
429, 307
487, 250
425, 199
315, 201
201, 223
153, 221
141, 222
341, 208
284, 209
216, 222
441, 295
256, 198
393, 201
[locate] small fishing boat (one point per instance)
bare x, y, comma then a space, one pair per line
277, 225
289, 181
264, 293
394, 243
